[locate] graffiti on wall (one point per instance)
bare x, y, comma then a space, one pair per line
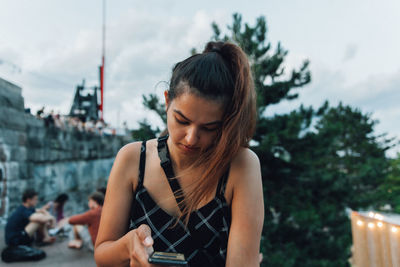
3, 185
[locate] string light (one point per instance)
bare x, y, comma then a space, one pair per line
371, 225
378, 226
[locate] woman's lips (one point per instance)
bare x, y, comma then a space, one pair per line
189, 148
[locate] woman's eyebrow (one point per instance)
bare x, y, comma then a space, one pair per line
183, 116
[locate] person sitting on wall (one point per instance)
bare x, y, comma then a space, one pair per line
91, 218
26, 221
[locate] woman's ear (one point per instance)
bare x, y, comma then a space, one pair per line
166, 100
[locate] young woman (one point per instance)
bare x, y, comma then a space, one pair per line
197, 190
56, 207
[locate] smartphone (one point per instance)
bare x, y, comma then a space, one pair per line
168, 258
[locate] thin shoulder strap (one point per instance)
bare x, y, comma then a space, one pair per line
222, 183
142, 164
166, 164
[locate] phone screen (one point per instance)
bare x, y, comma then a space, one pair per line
168, 258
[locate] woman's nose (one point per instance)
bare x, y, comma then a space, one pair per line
192, 136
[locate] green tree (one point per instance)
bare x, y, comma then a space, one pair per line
152, 102
145, 131
269, 75
389, 191
317, 164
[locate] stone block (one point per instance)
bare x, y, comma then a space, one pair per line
36, 132
15, 191
32, 121
18, 153
36, 155
12, 137
10, 96
70, 177
23, 170
11, 170
12, 101
12, 119
5, 152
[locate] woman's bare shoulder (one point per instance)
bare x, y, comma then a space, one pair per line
245, 158
244, 171
128, 156
129, 152
126, 164
245, 168
129, 149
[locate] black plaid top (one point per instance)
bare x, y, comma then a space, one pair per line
204, 242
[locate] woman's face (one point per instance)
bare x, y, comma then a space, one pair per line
92, 204
193, 122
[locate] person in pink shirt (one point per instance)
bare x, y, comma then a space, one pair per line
90, 218
56, 207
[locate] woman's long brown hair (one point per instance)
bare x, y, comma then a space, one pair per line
221, 73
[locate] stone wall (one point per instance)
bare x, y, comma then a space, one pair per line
48, 159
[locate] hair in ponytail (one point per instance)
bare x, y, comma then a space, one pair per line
221, 73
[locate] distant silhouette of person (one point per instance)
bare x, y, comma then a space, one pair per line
40, 113
25, 221
49, 120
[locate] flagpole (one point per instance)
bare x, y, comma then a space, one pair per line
103, 63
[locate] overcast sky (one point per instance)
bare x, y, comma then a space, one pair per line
47, 47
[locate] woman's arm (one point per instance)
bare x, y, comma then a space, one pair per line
82, 218
47, 206
247, 210
114, 246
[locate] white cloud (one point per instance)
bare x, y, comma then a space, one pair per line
58, 44
377, 94
350, 52
141, 55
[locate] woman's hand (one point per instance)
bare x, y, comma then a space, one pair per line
140, 246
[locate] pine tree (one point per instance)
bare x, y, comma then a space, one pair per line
316, 165
389, 192
268, 72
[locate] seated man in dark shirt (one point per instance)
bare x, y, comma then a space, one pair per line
25, 221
